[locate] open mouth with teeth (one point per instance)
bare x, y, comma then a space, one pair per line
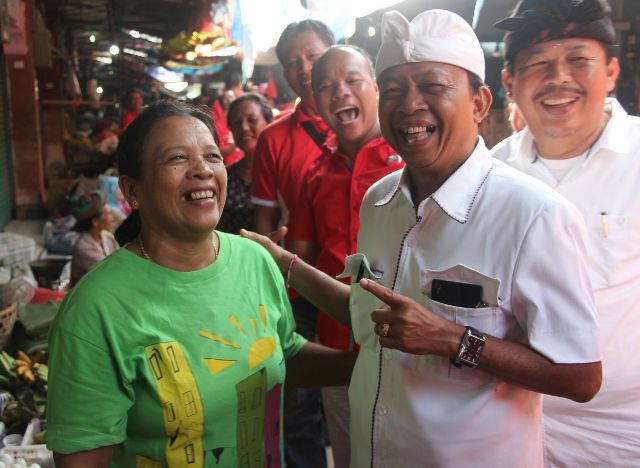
346, 115
198, 195
414, 134
558, 105
558, 102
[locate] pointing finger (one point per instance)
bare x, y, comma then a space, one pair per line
386, 295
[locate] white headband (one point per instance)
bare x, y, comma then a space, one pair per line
432, 36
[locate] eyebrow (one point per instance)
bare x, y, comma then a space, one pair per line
539, 50
187, 147
430, 74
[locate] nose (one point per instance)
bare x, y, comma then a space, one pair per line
558, 72
306, 65
340, 90
412, 101
201, 168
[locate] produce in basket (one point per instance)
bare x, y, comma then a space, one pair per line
26, 378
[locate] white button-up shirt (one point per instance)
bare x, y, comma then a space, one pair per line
606, 190
525, 245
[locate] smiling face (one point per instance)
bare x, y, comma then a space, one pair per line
560, 87
246, 122
346, 96
430, 116
183, 183
306, 47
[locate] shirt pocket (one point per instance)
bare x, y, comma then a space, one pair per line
614, 253
482, 318
361, 302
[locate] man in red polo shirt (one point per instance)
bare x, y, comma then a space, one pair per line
284, 152
327, 218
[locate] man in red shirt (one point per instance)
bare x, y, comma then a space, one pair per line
327, 218
284, 152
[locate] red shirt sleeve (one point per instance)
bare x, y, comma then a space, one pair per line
264, 179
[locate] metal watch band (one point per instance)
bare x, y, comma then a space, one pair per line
470, 350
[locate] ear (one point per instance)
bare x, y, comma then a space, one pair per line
481, 104
613, 71
507, 81
128, 187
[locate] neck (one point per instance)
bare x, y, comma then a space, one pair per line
309, 107
352, 149
95, 234
566, 148
244, 167
424, 181
179, 255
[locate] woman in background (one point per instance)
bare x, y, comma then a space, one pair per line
94, 222
247, 116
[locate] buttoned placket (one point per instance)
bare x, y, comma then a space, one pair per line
386, 358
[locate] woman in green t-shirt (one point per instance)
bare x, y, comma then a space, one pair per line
171, 352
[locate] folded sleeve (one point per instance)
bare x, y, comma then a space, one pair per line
88, 399
264, 172
552, 297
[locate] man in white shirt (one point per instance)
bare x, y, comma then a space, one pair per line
559, 69
475, 311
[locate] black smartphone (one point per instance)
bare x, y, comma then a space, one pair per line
456, 294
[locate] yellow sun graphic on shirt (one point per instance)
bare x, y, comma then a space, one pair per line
259, 350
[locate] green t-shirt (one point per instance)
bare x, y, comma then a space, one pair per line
175, 369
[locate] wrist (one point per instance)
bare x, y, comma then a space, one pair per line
470, 349
283, 260
292, 264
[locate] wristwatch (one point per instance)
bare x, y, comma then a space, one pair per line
470, 349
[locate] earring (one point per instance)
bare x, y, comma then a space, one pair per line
134, 204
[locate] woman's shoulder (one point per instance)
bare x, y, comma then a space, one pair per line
245, 250
111, 272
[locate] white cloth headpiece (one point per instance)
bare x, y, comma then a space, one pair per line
432, 36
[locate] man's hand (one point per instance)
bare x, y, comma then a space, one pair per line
405, 325
269, 242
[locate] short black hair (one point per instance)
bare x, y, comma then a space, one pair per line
360, 50
475, 82
84, 225
265, 109
293, 29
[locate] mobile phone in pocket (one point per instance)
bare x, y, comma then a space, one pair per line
456, 294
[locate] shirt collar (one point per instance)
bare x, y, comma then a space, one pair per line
300, 116
458, 193
614, 137
330, 146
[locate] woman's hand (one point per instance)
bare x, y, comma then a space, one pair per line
281, 256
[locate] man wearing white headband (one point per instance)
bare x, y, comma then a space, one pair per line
466, 313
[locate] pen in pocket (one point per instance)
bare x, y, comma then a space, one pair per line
604, 220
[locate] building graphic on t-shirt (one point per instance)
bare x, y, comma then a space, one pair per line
181, 404
258, 410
